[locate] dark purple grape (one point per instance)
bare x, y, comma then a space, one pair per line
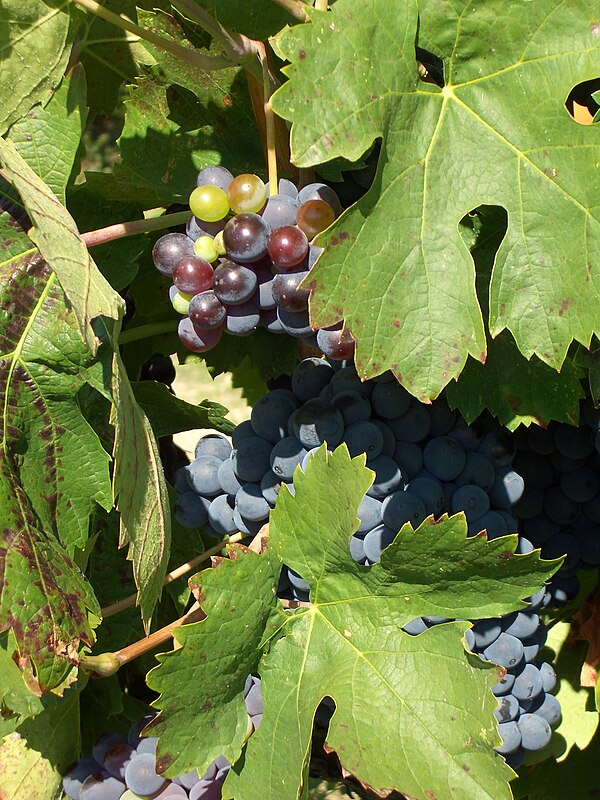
281, 209
242, 320
195, 228
193, 275
116, 759
197, 339
286, 292
214, 176
264, 291
336, 343
207, 311
170, 249
287, 247
233, 284
245, 238
294, 323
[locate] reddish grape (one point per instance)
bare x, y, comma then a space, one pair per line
233, 284
336, 343
169, 249
287, 247
286, 292
207, 311
192, 275
245, 238
314, 216
197, 339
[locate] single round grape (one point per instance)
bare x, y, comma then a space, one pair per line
214, 176
286, 291
245, 238
242, 320
192, 275
209, 203
336, 343
101, 786
246, 193
220, 514
511, 738
140, 775
535, 731
170, 249
233, 284
355, 408
205, 247
179, 300
280, 210
76, 775
197, 339
320, 191
116, 759
250, 503
314, 216
287, 247
103, 743
294, 323
207, 311
191, 510
316, 422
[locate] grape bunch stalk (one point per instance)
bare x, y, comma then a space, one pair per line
243, 258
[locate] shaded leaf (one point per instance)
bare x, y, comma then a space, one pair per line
169, 414
141, 493
36, 43
257, 19
574, 779
59, 243
17, 701
48, 137
354, 78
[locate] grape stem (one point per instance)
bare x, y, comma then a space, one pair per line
296, 8
197, 60
146, 331
122, 229
128, 602
269, 120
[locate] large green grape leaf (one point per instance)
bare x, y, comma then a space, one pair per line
201, 683
141, 493
48, 137
516, 390
17, 701
179, 120
36, 41
395, 267
58, 241
434, 715
55, 454
35, 757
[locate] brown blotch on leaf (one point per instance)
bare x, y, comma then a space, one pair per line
396, 323
301, 54
163, 763
564, 304
466, 768
429, 794
344, 235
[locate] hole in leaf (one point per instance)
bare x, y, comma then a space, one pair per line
583, 102
430, 66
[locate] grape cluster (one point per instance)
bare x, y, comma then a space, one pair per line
243, 256
559, 511
124, 768
427, 461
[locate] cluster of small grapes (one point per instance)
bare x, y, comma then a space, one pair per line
124, 768
427, 461
244, 255
560, 508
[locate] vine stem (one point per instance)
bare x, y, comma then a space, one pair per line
128, 602
294, 7
145, 331
197, 60
269, 121
321, 5
122, 229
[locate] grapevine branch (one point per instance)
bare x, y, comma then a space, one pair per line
128, 602
296, 8
122, 229
206, 63
269, 121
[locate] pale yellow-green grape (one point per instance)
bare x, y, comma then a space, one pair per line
204, 247
209, 203
218, 240
246, 194
181, 302
129, 795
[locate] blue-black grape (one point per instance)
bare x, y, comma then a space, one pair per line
511, 737
286, 455
444, 457
377, 540
203, 475
317, 422
233, 284
101, 786
472, 500
506, 650
214, 176
294, 323
270, 415
191, 510
528, 683
76, 774
220, 514
251, 504
214, 444
413, 425
227, 478
280, 210
387, 476
251, 458
140, 775
242, 320
310, 377
245, 238
401, 507
535, 731
363, 437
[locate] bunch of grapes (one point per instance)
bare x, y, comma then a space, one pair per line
124, 768
243, 257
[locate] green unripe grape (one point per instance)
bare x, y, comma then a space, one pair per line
181, 302
129, 795
246, 194
204, 247
209, 203
218, 242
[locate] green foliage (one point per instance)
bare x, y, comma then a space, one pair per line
168, 414
476, 141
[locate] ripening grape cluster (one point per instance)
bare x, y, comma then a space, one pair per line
124, 768
242, 259
427, 461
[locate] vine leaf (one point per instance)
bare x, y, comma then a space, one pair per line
201, 683
58, 241
17, 701
348, 645
48, 137
36, 43
141, 493
34, 758
255, 18
395, 268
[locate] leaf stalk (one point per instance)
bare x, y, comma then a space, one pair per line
122, 229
